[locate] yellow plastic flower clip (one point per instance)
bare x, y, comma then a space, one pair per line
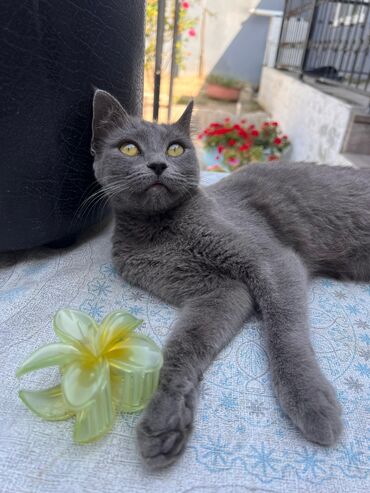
104, 369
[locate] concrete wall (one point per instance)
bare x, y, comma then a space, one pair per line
235, 39
243, 57
315, 122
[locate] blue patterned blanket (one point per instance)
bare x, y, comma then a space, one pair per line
242, 441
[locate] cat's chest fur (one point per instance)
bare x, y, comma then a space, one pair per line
159, 256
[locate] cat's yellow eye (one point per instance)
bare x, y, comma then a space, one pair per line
175, 150
129, 150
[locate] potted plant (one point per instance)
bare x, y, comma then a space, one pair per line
229, 145
224, 88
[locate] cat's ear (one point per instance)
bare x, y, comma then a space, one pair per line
107, 114
185, 119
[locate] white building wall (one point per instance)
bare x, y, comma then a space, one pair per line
315, 122
222, 26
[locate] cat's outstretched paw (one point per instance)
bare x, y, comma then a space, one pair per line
164, 429
319, 416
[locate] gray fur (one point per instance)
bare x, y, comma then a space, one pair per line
248, 242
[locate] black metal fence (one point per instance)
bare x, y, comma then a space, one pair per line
328, 40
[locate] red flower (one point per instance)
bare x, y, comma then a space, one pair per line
266, 124
215, 124
251, 127
192, 32
227, 120
243, 133
277, 141
255, 133
285, 137
274, 124
222, 131
220, 149
273, 157
245, 147
231, 142
200, 136
243, 121
185, 5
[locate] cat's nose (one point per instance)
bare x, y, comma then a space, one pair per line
158, 168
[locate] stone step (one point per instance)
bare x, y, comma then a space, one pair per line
357, 139
357, 160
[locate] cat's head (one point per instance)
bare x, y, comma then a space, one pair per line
144, 167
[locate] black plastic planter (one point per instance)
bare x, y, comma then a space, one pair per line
52, 55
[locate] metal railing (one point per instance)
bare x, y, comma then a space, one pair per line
328, 40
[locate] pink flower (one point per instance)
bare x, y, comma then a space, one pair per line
185, 5
192, 32
233, 162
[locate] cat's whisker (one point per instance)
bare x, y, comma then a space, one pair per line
93, 201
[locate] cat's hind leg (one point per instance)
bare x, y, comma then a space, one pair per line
204, 327
358, 267
355, 267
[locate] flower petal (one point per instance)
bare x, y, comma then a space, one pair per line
48, 404
75, 327
57, 354
136, 351
135, 364
81, 383
115, 327
96, 419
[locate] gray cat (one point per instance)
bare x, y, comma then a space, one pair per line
247, 243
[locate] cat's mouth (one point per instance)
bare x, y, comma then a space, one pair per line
156, 186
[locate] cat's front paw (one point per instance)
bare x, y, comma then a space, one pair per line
164, 429
318, 415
